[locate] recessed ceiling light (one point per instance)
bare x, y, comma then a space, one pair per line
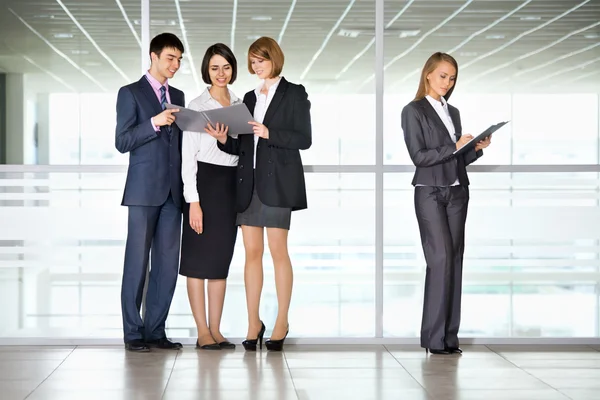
253, 37
351, 33
261, 18
494, 37
409, 33
93, 64
468, 53
157, 22
63, 35
591, 36
80, 52
530, 18
162, 22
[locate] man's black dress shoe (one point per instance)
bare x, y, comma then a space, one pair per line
164, 343
137, 346
453, 350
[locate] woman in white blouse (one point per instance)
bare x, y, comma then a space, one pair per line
209, 189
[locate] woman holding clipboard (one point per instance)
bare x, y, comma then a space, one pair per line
433, 133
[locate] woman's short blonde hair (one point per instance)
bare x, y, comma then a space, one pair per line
267, 49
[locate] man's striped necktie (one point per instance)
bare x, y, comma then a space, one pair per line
163, 104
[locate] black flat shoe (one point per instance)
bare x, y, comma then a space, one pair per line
137, 346
164, 343
250, 344
453, 350
276, 345
210, 346
438, 352
227, 345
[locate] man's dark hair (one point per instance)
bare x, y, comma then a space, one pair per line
165, 41
218, 49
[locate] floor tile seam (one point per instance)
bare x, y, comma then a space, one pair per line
291, 376
527, 372
53, 371
429, 395
170, 374
593, 348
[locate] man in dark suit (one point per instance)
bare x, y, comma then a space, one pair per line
153, 193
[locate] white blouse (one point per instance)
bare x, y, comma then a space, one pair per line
441, 108
201, 147
260, 109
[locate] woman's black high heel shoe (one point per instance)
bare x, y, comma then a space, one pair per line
439, 352
276, 345
250, 344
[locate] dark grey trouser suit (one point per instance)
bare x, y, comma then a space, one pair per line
441, 214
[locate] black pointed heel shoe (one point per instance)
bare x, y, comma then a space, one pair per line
454, 350
250, 344
276, 345
439, 352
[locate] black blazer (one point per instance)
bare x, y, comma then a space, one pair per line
430, 146
154, 157
279, 170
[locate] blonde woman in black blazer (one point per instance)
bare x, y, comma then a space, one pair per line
270, 182
432, 132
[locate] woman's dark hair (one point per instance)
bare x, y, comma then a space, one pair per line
218, 49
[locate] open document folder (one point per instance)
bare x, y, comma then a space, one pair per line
236, 117
471, 143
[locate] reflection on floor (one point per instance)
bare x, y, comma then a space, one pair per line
499, 372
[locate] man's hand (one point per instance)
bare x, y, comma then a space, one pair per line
165, 118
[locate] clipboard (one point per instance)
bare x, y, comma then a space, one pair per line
236, 117
471, 143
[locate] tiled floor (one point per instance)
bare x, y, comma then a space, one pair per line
301, 372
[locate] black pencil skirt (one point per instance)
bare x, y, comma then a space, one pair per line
208, 255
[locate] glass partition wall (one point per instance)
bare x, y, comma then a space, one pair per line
532, 261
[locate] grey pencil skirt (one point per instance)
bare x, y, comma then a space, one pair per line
259, 214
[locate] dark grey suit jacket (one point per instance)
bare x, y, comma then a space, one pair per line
154, 157
279, 171
430, 146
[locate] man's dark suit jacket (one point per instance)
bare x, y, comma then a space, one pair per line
279, 170
154, 157
430, 146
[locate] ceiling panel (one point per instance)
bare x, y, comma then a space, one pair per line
532, 45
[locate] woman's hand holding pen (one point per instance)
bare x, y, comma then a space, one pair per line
464, 139
219, 132
483, 143
259, 129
